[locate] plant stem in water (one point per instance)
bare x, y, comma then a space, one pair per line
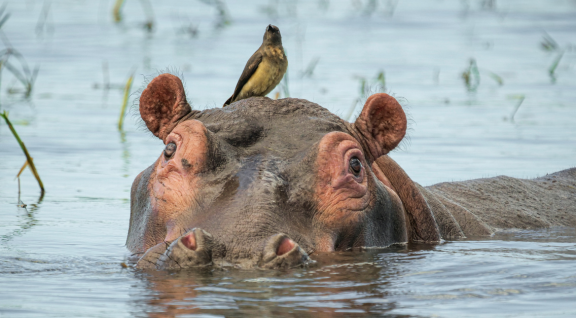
125, 101
28, 157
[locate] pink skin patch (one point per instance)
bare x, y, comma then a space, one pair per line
189, 241
174, 184
341, 195
285, 246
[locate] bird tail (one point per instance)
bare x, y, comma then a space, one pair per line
228, 101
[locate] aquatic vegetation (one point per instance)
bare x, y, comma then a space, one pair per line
471, 76
367, 88
381, 80
21, 71
149, 12
42, 25
277, 8
284, 85
106, 84
146, 6
369, 7
554, 65
23, 74
127, 89
518, 104
3, 15
309, 71
190, 29
550, 45
25, 150
496, 78
488, 4
371, 86
117, 10
223, 17
22, 169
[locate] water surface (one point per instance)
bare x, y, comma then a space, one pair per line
60, 256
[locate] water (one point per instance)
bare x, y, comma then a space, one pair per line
60, 256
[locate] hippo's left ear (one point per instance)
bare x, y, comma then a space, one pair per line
382, 124
163, 103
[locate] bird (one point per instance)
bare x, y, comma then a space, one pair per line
264, 70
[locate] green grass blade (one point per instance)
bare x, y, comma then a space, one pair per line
127, 88
117, 10
497, 78
4, 19
520, 101
16, 73
22, 169
23, 146
555, 63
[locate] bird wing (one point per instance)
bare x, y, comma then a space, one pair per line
249, 70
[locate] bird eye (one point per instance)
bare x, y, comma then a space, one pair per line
169, 150
355, 166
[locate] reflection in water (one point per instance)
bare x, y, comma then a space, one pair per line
26, 220
347, 282
125, 153
415, 279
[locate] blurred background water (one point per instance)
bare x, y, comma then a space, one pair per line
489, 87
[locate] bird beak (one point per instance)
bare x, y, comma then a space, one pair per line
269, 28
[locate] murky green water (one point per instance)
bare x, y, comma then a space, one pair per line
60, 256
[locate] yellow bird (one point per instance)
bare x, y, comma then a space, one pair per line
264, 70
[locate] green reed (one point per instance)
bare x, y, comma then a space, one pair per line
127, 89
25, 150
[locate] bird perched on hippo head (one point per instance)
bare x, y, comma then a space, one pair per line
264, 70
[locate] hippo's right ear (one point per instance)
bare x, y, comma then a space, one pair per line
162, 104
382, 124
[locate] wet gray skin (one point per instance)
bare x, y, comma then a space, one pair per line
243, 186
266, 184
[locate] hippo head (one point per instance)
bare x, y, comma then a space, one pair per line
262, 183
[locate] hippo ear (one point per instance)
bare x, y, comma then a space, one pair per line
163, 104
382, 123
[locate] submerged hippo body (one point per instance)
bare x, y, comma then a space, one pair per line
266, 183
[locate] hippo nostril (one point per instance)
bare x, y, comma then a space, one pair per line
193, 249
282, 252
285, 246
189, 241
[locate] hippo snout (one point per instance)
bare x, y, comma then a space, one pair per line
193, 249
197, 248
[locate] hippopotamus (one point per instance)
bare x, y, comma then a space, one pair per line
268, 183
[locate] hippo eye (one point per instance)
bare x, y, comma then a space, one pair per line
169, 150
355, 166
